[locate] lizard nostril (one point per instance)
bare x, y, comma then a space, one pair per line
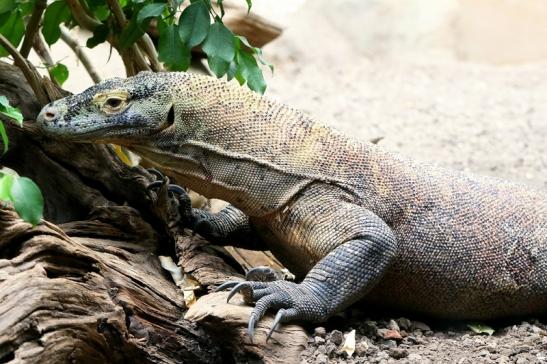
50, 113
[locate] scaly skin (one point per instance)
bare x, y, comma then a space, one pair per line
354, 221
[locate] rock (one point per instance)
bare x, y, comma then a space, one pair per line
319, 340
398, 353
382, 355
388, 334
404, 323
388, 344
522, 360
418, 325
321, 359
336, 337
369, 328
322, 349
330, 349
492, 347
392, 325
320, 331
361, 348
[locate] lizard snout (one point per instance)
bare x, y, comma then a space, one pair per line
49, 113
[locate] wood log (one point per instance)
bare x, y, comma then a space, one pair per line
87, 286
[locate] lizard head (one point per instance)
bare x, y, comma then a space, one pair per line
115, 110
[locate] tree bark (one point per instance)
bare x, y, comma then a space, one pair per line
86, 284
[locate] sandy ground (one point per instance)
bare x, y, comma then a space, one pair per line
456, 82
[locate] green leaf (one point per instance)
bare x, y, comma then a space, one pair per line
171, 50
7, 5
149, 11
257, 51
194, 24
249, 6
130, 34
13, 29
4, 137
232, 69
10, 111
59, 73
100, 33
218, 66
251, 72
55, 14
481, 329
27, 200
6, 181
220, 42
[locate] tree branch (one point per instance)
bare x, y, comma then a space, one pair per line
82, 56
30, 73
33, 26
81, 16
42, 51
147, 46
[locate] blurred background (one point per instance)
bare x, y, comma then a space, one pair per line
456, 82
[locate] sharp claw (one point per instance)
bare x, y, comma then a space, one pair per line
154, 184
177, 189
225, 285
251, 327
276, 322
158, 174
236, 289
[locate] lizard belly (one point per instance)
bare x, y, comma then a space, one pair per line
467, 271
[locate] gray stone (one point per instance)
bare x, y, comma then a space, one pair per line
319, 340
320, 331
418, 325
336, 337
404, 323
398, 353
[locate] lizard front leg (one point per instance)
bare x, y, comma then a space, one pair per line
229, 226
341, 278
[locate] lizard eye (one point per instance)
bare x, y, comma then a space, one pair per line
113, 102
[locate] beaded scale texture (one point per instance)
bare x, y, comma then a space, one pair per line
354, 221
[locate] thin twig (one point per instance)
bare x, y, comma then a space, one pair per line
129, 67
115, 7
82, 18
42, 51
138, 59
32, 76
82, 56
147, 46
33, 26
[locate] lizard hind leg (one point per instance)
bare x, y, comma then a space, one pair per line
338, 280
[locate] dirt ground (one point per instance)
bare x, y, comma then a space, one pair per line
459, 83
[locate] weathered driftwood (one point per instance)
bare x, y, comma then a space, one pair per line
91, 300
91, 289
259, 31
284, 346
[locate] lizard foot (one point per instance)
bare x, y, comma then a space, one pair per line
175, 191
294, 301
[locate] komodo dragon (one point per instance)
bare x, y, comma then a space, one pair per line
354, 221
